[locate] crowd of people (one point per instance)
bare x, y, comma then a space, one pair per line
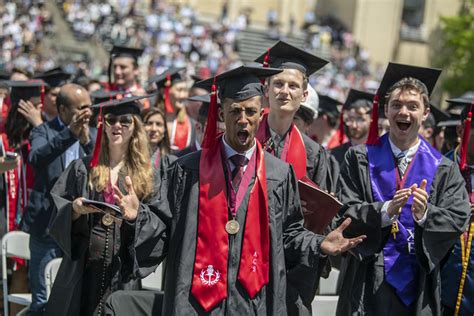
205, 175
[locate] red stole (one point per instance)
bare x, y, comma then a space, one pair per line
209, 284
180, 134
294, 151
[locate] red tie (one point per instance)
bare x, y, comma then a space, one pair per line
239, 162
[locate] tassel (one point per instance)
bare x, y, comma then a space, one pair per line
211, 127
98, 141
43, 92
465, 139
168, 105
373, 138
266, 64
341, 127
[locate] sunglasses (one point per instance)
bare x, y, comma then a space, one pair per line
124, 120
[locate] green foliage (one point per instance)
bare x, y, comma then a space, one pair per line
454, 51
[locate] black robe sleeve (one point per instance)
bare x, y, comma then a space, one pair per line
71, 236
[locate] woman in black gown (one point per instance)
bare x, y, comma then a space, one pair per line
96, 259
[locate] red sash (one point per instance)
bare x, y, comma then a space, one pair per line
294, 151
209, 285
181, 134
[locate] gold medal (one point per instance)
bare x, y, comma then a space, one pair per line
107, 220
232, 227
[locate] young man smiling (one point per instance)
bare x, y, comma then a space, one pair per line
408, 199
228, 219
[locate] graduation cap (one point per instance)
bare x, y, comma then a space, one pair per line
128, 105
286, 56
123, 51
238, 84
357, 95
166, 80
394, 73
457, 105
329, 105
55, 77
438, 114
27, 89
204, 98
102, 95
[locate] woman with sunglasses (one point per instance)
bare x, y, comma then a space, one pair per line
96, 241
155, 125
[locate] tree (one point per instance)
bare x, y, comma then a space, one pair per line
454, 50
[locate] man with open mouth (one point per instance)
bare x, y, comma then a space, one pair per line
408, 199
228, 219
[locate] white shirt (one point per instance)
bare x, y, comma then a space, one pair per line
229, 152
409, 153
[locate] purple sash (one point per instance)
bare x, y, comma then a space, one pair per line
401, 267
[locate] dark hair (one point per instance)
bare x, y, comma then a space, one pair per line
410, 83
17, 126
362, 104
165, 144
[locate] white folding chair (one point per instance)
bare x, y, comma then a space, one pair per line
324, 305
329, 286
50, 273
14, 244
155, 280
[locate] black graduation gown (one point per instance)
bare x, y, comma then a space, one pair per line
77, 288
340, 151
168, 228
364, 291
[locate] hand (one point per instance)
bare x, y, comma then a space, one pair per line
335, 243
420, 200
80, 209
399, 200
128, 203
30, 112
84, 136
8, 164
79, 121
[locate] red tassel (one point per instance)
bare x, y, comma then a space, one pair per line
373, 138
465, 139
211, 128
98, 141
341, 127
168, 105
266, 64
42, 94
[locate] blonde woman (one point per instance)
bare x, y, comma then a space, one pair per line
96, 260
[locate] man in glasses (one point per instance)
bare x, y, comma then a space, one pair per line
54, 145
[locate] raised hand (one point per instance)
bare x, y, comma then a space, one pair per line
335, 242
31, 112
79, 121
128, 203
399, 200
84, 136
420, 200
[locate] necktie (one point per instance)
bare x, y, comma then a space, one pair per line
402, 163
239, 162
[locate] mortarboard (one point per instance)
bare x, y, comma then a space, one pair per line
55, 77
457, 105
438, 114
396, 72
204, 98
123, 51
238, 84
393, 74
101, 95
329, 105
26, 89
357, 95
166, 80
129, 105
286, 56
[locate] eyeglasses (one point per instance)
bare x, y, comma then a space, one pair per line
124, 120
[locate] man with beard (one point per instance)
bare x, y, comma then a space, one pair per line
229, 219
409, 200
174, 93
356, 117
